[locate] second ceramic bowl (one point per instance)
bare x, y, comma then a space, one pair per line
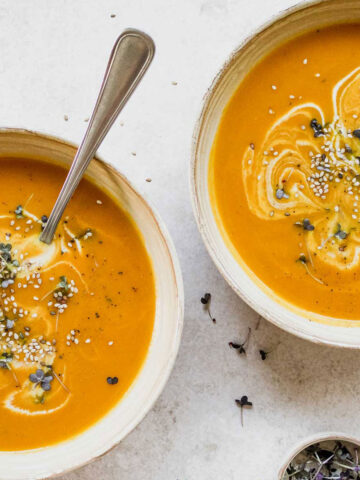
307, 16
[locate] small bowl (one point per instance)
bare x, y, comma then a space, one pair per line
297, 20
150, 381
315, 439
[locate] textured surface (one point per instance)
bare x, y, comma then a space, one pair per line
52, 57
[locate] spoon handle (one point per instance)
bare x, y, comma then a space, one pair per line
129, 60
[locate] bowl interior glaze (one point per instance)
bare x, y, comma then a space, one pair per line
116, 424
293, 22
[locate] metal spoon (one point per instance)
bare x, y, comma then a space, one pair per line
131, 56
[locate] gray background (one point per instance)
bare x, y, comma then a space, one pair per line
52, 58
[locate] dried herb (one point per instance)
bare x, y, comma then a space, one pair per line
240, 347
206, 300
243, 402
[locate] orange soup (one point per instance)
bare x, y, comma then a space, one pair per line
284, 172
76, 316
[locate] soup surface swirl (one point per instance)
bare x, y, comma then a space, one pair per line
284, 173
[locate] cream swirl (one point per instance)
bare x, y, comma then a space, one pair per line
308, 168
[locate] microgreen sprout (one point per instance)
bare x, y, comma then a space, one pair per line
42, 379
306, 225
317, 127
206, 300
5, 360
51, 369
265, 353
85, 234
8, 266
112, 380
340, 234
243, 402
302, 259
63, 286
19, 212
280, 194
240, 347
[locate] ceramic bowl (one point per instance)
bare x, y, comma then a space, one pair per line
315, 439
307, 16
115, 425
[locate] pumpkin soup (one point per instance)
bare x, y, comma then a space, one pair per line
284, 172
76, 316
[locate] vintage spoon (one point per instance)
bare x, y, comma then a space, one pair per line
131, 56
